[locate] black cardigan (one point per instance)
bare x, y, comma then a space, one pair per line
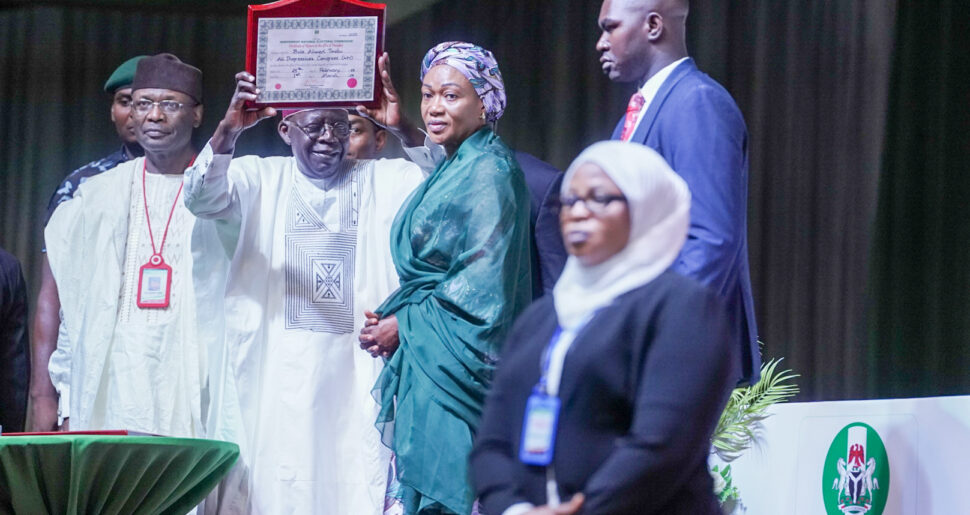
642, 388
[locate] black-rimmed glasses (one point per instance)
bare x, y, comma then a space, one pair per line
314, 130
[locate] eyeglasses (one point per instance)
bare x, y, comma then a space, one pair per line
596, 204
143, 106
314, 130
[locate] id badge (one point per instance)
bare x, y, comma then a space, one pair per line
154, 283
539, 429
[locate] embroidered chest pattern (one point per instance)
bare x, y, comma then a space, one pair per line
320, 263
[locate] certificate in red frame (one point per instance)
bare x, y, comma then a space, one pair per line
315, 53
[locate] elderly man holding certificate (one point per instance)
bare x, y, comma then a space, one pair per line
308, 240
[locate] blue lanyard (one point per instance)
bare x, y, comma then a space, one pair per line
546, 358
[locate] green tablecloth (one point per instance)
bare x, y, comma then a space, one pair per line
78, 474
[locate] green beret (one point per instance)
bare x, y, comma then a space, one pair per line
123, 75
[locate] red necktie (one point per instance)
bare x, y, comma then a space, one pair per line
632, 112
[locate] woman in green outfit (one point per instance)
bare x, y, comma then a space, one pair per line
461, 249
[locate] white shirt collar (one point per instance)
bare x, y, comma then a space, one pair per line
652, 86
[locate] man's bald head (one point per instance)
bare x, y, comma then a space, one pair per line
664, 7
641, 36
671, 10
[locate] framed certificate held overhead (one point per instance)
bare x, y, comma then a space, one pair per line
315, 53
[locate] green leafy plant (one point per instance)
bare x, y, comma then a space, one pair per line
724, 487
747, 408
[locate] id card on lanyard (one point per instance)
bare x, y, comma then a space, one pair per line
154, 283
155, 276
541, 416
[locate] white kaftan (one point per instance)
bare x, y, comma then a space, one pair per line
291, 385
118, 366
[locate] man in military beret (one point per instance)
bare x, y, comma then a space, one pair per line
119, 87
43, 416
129, 353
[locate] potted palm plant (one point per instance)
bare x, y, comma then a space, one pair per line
740, 426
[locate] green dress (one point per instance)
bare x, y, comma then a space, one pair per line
461, 249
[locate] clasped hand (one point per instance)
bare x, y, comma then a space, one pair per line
379, 336
570, 508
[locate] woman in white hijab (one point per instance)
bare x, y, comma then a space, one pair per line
608, 392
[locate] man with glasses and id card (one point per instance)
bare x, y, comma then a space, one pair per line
130, 350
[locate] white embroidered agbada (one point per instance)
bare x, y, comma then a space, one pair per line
118, 366
291, 385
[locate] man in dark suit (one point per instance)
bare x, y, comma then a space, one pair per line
696, 126
14, 363
548, 253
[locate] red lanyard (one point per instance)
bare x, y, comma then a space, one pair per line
156, 258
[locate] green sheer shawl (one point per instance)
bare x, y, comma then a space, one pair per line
461, 249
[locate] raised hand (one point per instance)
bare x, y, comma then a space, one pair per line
390, 114
238, 118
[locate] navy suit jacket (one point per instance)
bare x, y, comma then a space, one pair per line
548, 252
14, 349
695, 125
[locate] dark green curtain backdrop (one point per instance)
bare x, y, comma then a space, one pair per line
54, 116
814, 101
920, 289
843, 98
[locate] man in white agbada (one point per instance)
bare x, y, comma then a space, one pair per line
129, 352
309, 241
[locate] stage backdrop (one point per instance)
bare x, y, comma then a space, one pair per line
843, 99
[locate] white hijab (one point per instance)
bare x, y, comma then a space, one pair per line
658, 202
